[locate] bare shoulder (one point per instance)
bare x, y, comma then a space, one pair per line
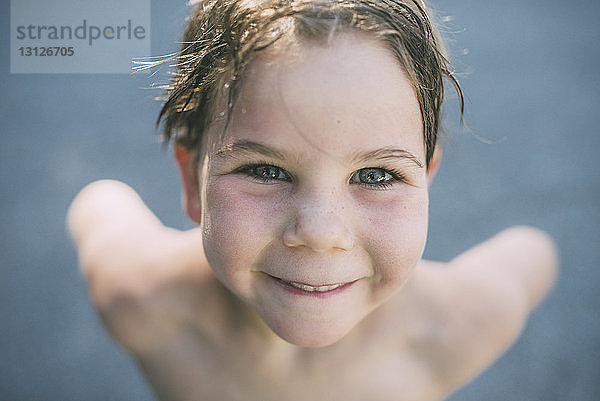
138, 271
479, 302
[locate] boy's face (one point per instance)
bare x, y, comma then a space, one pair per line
315, 210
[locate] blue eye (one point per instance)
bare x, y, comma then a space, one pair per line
372, 176
265, 172
375, 177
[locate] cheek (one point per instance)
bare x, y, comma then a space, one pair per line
238, 224
395, 236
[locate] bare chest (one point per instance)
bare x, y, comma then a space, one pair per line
372, 373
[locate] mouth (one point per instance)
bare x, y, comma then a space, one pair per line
314, 290
310, 288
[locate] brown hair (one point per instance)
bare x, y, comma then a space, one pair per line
223, 35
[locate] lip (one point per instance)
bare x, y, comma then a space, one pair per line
316, 294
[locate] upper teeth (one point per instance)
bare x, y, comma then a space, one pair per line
321, 288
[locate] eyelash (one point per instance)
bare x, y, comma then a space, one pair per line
396, 177
249, 170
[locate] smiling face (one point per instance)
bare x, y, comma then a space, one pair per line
315, 206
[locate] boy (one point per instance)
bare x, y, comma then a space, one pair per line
306, 138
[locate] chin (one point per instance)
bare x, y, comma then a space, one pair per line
310, 334
312, 340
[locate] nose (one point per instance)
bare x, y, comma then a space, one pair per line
319, 226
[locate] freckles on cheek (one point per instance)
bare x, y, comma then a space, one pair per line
406, 211
396, 233
237, 224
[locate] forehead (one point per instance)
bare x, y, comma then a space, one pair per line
346, 94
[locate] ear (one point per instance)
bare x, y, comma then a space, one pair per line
191, 186
434, 164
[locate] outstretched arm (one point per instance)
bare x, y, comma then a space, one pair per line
135, 267
521, 261
487, 294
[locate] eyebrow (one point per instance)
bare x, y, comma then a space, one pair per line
386, 153
249, 147
389, 153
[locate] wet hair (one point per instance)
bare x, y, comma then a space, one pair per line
223, 36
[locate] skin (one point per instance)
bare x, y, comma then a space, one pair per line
207, 313
317, 223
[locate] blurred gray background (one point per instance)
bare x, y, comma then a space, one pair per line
530, 73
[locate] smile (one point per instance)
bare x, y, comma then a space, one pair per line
312, 290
